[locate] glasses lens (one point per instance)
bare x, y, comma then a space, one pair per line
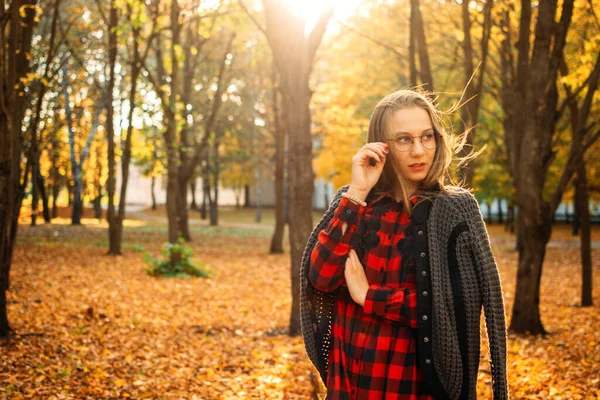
429, 141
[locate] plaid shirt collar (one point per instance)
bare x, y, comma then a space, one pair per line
413, 199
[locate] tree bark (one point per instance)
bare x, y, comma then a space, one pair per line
152, 192
114, 227
277, 238
14, 56
294, 52
473, 87
500, 212
425, 68
533, 155
214, 211
582, 202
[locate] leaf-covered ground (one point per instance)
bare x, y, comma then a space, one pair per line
95, 326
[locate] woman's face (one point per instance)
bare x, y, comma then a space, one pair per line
412, 125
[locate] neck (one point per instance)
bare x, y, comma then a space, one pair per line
411, 190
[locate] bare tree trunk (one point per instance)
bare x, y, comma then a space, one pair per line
43, 197
184, 227
114, 233
500, 211
277, 238
152, 192
246, 195
214, 211
193, 204
425, 68
473, 88
294, 52
412, 58
18, 23
533, 154
582, 206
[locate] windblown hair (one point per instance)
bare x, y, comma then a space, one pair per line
447, 145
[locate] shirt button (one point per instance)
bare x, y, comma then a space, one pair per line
424, 317
427, 361
425, 293
426, 339
424, 273
422, 254
420, 233
348, 211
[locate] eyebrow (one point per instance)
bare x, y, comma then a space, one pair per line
428, 129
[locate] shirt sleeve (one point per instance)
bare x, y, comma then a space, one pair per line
395, 305
328, 258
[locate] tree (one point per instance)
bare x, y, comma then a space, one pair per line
294, 52
531, 105
18, 19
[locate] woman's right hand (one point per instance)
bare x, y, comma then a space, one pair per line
365, 175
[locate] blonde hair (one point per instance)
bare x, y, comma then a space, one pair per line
391, 179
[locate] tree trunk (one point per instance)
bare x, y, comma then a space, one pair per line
44, 198
126, 156
34, 182
152, 192
214, 211
206, 190
534, 112
277, 238
18, 23
425, 67
582, 201
500, 212
115, 228
246, 195
193, 204
412, 39
182, 185
532, 250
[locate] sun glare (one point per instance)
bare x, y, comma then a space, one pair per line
308, 8
311, 9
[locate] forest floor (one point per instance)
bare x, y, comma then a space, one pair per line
92, 326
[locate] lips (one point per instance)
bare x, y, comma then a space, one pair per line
417, 165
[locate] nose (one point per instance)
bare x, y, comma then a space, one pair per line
417, 148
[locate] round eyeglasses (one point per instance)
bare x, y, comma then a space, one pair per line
404, 142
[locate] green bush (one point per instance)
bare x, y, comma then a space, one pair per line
185, 268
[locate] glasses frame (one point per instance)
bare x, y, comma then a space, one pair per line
435, 136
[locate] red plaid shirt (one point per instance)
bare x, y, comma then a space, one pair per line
373, 354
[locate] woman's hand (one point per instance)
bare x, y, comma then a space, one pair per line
365, 175
356, 280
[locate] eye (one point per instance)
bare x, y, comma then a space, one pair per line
428, 136
403, 139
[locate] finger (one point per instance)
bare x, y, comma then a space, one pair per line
378, 147
372, 154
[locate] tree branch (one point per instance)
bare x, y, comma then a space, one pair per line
258, 25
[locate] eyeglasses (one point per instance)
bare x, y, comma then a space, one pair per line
404, 142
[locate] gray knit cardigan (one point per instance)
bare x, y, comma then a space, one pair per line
479, 281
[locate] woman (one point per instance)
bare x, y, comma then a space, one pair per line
394, 277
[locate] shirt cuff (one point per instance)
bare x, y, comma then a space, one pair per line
349, 211
376, 301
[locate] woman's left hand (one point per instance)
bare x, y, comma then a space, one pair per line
356, 279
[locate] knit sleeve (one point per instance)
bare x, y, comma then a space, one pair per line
328, 257
493, 301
